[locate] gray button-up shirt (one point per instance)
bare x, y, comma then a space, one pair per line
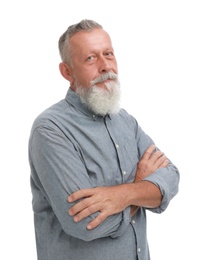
71, 148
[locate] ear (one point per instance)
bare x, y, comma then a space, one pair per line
66, 71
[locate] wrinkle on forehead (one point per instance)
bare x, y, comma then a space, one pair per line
90, 41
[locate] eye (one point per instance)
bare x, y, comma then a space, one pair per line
90, 58
109, 54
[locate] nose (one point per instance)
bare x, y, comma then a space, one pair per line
104, 65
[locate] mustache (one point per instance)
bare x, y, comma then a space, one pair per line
105, 76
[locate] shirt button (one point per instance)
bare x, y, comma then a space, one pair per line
124, 172
139, 250
133, 222
117, 146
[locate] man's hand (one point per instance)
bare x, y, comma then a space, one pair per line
151, 160
105, 200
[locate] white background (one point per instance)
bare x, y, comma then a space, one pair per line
159, 46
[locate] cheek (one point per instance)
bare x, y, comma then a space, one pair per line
85, 77
82, 79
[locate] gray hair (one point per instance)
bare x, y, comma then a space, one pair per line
63, 44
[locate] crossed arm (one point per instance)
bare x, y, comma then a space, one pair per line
114, 199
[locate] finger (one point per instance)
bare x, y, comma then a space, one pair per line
164, 164
80, 194
160, 161
97, 221
149, 152
155, 156
87, 212
83, 204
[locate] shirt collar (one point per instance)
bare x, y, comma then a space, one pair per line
73, 98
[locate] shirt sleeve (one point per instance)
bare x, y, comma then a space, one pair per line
166, 179
57, 171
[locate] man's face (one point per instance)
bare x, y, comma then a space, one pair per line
92, 56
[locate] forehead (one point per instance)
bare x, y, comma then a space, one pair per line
86, 41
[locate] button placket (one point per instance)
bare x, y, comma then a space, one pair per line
120, 157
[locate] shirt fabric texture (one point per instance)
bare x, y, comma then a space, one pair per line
71, 148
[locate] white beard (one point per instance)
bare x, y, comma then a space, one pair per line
102, 101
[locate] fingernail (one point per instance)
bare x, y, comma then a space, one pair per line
76, 219
69, 199
89, 227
